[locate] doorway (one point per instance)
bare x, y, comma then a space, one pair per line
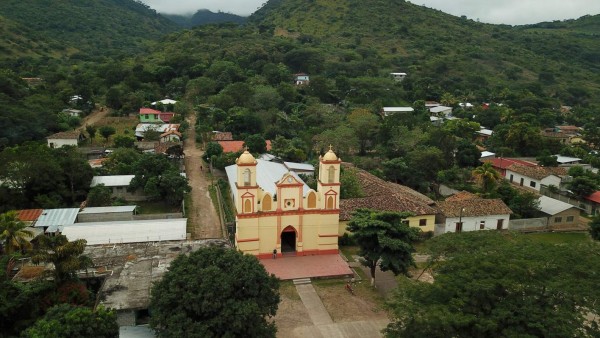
288, 240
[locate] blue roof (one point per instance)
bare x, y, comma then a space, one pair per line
56, 217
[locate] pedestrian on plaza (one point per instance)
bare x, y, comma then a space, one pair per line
274, 253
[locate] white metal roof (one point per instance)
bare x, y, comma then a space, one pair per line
553, 206
398, 109
485, 132
566, 159
165, 101
112, 181
108, 210
398, 74
56, 217
96, 233
267, 175
439, 109
487, 154
299, 166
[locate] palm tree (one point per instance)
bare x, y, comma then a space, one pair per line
67, 257
13, 235
486, 176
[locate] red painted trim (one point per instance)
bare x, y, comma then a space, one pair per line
247, 165
331, 162
336, 235
303, 253
248, 240
330, 184
290, 213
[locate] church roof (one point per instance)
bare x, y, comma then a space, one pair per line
267, 175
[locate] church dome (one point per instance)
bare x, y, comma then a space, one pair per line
246, 158
330, 156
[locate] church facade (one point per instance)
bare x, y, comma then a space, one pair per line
276, 210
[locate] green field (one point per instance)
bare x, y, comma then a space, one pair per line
559, 237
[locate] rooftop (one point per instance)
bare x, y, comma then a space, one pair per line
595, 197
503, 163
112, 181
468, 205
235, 146
106, 210
537, 173
385, 196
157, 230
553, 206
29, 215
53, 218
65, 135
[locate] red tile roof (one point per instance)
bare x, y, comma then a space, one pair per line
29, 215
222, 136
385, 196
65, 135
235, 146
145, 111
537, 173
166, 117
595, 197
503, 163
472, 207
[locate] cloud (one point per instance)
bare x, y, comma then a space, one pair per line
512, 12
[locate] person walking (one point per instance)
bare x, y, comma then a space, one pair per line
274, 253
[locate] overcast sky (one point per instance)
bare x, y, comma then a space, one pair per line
512, 12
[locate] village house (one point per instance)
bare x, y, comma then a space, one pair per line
534, 177
564, 134
221, 136
118, 185
559, 213
301, 79
500, 164
441, 111
168, 132
73, 112
382, 195
277, 211
53, 220
465, 211
398, 77
235, 146
148, 115
65, 138
387, 111
483, 134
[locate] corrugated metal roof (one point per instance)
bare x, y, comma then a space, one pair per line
108, 210
439, 109
112, 181
56, 217
553, 206
29, 215
267, 175
96, 233
299, 166
398, 109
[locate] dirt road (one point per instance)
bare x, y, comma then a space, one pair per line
96, 115
203, 221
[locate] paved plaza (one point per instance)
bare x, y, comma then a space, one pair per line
295, 267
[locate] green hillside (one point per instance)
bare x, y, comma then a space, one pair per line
460, 54
19, 41
97, 27
204, 17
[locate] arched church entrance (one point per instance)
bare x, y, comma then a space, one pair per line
288, 240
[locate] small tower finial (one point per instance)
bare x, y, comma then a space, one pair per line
330, 147
245, 148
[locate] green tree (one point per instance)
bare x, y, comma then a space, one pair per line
365, 125
350, 185
583, 186
490, 284
467, 154
122, 141
91, 130
256, 144
486, 176
545, 159
212, 149
99, 196
215, 292
67, 257
107, 131
66, 320
595, 228
384, 240
343, 138
13, 233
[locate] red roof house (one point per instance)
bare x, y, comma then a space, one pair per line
235, 146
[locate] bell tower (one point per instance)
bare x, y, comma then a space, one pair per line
247, 196
328, 185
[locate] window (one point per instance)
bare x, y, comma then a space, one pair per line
405, 221
247, 206
331, 172
557, 219
522, 180
266, 205
481, 225
532, 184
570, 219
422, 222
330, 202
459, 226
312, 200
247, 175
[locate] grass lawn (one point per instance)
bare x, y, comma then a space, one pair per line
157, 207
123, 125
559, 237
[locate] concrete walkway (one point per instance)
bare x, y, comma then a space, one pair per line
324, 327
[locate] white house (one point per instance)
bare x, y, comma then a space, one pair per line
535, 177
66, 138
468, 212
440, 111
118, 185
387, 111
398, 77
301, 79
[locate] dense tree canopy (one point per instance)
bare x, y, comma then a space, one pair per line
215, 292
72, 321
492, 284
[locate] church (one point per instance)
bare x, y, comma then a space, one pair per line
276, 210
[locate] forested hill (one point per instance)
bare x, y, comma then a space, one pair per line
204, 17
457, 52
95, 27
20, 41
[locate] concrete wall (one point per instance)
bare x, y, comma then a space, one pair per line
121, 192
475, 223
145, 217
56, 143
528, 224
568, 217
